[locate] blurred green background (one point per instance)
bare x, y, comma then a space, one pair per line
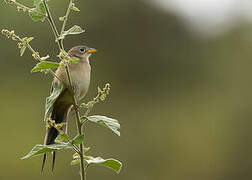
183, 97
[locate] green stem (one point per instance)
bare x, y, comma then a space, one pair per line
78, 123
76, 107
65, 20
52, 24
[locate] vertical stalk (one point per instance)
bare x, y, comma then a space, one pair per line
52, 24
78, 124
65, 21
76, 107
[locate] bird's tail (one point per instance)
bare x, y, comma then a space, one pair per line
59, 115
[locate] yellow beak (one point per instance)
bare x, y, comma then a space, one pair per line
91, 50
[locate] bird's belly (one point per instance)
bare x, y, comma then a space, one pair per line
81, 84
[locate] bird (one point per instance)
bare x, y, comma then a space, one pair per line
80, 76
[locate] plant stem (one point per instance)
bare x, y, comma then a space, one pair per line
52, 24
76, 107
65, 21
78, 123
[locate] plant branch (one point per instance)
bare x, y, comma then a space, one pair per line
78, 122
40, 60
101, 96
76, 107
52, 24
60, 44
65, 21
23, 7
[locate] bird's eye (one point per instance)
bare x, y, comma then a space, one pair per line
82, 49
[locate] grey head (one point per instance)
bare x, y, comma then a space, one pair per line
81, 51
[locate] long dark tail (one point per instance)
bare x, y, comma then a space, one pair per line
44, 160
59, 115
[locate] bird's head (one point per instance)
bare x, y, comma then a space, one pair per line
81, 52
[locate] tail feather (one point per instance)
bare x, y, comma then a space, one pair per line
53, 162
59, 115
43, 163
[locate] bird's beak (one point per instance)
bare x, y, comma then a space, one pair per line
91, 50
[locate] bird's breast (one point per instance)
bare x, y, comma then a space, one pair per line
81, 79
80, 75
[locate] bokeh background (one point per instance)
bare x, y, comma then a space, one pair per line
180, 72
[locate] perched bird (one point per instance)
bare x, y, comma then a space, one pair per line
80, 75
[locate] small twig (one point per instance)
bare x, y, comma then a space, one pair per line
40, 60
25, 42
24, 8
101, 96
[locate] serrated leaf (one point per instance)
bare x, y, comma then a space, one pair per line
57, 89
78, 140
73, 30
39, 12
22, 50
110, 163
62, 138
41, 149
110, 123
44, 65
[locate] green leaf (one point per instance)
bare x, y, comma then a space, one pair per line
75, 8
75, 162
39, 12
62, 138
76, 156
29, 39
73, 30
86, 149
22, 50
74, 59
110, 123
76, 159
57, 89
41, 149
110, 163
62, 18
78, 140
44, 65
